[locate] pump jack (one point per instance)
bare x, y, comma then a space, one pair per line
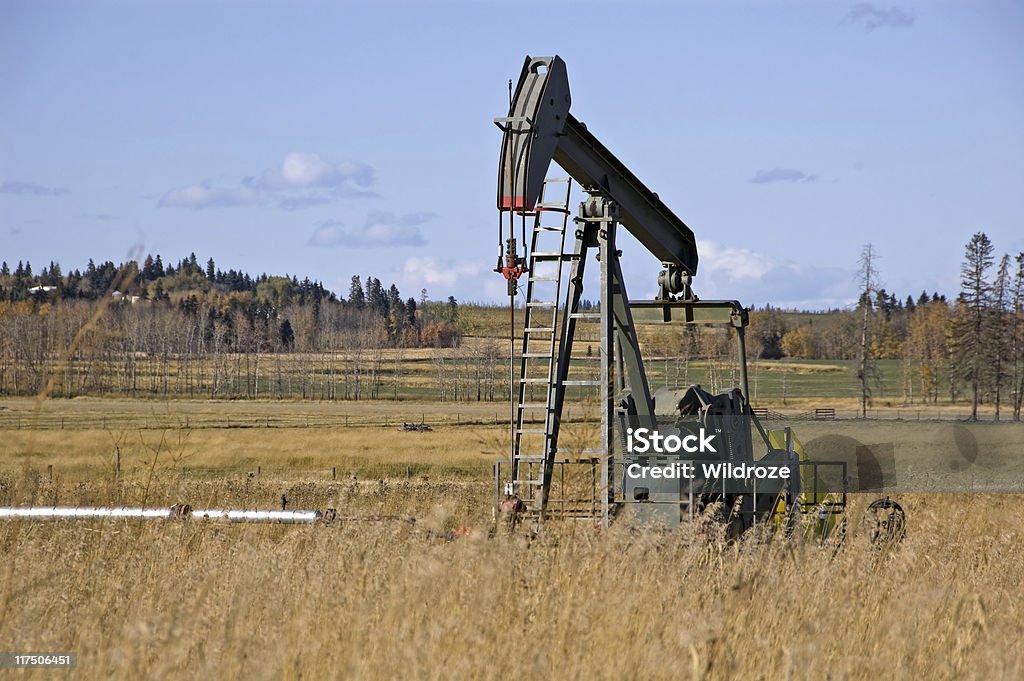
538, 129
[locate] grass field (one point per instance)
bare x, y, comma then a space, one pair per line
375, 596
386, 599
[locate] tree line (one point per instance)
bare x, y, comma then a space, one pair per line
189, 329
193, 330
970, 348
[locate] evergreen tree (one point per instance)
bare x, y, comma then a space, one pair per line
356, 296
976, 295
287, 335
376, 298
148, 267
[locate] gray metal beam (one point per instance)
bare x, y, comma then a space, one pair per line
640, 210
628, 345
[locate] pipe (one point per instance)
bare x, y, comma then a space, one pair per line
79, 513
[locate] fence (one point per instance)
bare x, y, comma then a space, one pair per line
92, 421
23, 421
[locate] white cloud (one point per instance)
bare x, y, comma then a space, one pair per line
18, 187
781, 175
741, 263
871, 16
198, 196
757, 279
302, 180
382, 229
435, 271
301, 170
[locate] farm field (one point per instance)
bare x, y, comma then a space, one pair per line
413, 580
374, 598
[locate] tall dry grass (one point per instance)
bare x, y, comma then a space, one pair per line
385, 599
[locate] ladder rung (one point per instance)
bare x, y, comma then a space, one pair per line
585, 315
530, 430
540, 303
534, 380
530, 459
549, 228
539, 329
551, 208
543, 278
582, 383
587, 450
534, 405
535, 355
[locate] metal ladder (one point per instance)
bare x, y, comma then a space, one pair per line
530, 475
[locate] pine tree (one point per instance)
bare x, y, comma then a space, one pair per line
356, 296
148, 266
976, 294
287, 335
376, 299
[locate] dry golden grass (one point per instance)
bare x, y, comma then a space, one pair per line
308, 452
388, 599
375, 597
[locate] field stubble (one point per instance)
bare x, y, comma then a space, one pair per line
374, 596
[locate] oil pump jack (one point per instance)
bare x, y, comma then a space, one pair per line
540, 129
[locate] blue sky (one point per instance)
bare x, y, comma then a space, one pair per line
337, 138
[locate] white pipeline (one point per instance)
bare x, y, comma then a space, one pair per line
59, 512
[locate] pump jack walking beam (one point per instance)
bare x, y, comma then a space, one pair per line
537, 130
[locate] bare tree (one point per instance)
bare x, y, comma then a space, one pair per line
997, 327
867, 276
1017, 337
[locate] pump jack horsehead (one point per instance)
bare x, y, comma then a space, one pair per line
531, 483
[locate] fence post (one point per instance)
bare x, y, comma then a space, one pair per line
117, 460
259, 471
49, 471
334, 472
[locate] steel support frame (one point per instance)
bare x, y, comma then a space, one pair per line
622, 376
